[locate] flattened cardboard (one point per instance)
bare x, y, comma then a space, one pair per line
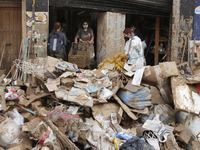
132, 88
51, 62
105, 109
185, 136
152, 74
51, 87
138, 77
171, 143
193, 80
98, 74
179, 128
195, 145
144, 111
169, 69
156, 98
67, 82
184, 97
125, 108
17, 147
27, 116
36, 97
166, 93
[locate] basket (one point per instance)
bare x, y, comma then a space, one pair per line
82, 56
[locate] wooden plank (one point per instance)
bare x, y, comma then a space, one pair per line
169, 39
184, 51
36, 98
125, 108
156, 54
198, 52
3, 101
10, 5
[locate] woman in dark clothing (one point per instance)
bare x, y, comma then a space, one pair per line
85, 34
57, 42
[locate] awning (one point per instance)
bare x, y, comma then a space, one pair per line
142, 7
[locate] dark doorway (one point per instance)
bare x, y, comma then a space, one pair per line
146, 25
71, 20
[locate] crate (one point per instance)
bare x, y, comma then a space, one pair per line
82, 58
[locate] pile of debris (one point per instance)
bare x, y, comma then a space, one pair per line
63, 107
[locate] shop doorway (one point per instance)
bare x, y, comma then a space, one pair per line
147, 26
71, 20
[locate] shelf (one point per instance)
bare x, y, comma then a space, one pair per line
155, 28
162, 53
161, 40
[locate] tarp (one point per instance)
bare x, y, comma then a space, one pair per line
138, 100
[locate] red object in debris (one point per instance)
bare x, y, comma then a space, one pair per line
198, 87
43, 137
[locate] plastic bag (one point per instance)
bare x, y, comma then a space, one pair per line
9, 131
16, 117
136, 144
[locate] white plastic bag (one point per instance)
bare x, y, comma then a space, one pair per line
9, 131
16, 117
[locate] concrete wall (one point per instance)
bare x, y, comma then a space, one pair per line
110, 39
40, 36
182, 27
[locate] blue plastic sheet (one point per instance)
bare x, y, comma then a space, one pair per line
137, 100
166, 113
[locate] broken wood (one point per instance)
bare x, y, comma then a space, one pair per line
2, 52
198, 52
36, 98
3, 102
184, 51
156, 54
66, 142
193, 48
125, 108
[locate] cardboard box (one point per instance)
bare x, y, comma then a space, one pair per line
68, 82
169, 69
153, 75
185, 136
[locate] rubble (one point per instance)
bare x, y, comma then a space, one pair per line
65, 107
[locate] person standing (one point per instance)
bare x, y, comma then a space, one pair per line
134, 50
85, 34
137, 32
57, 42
